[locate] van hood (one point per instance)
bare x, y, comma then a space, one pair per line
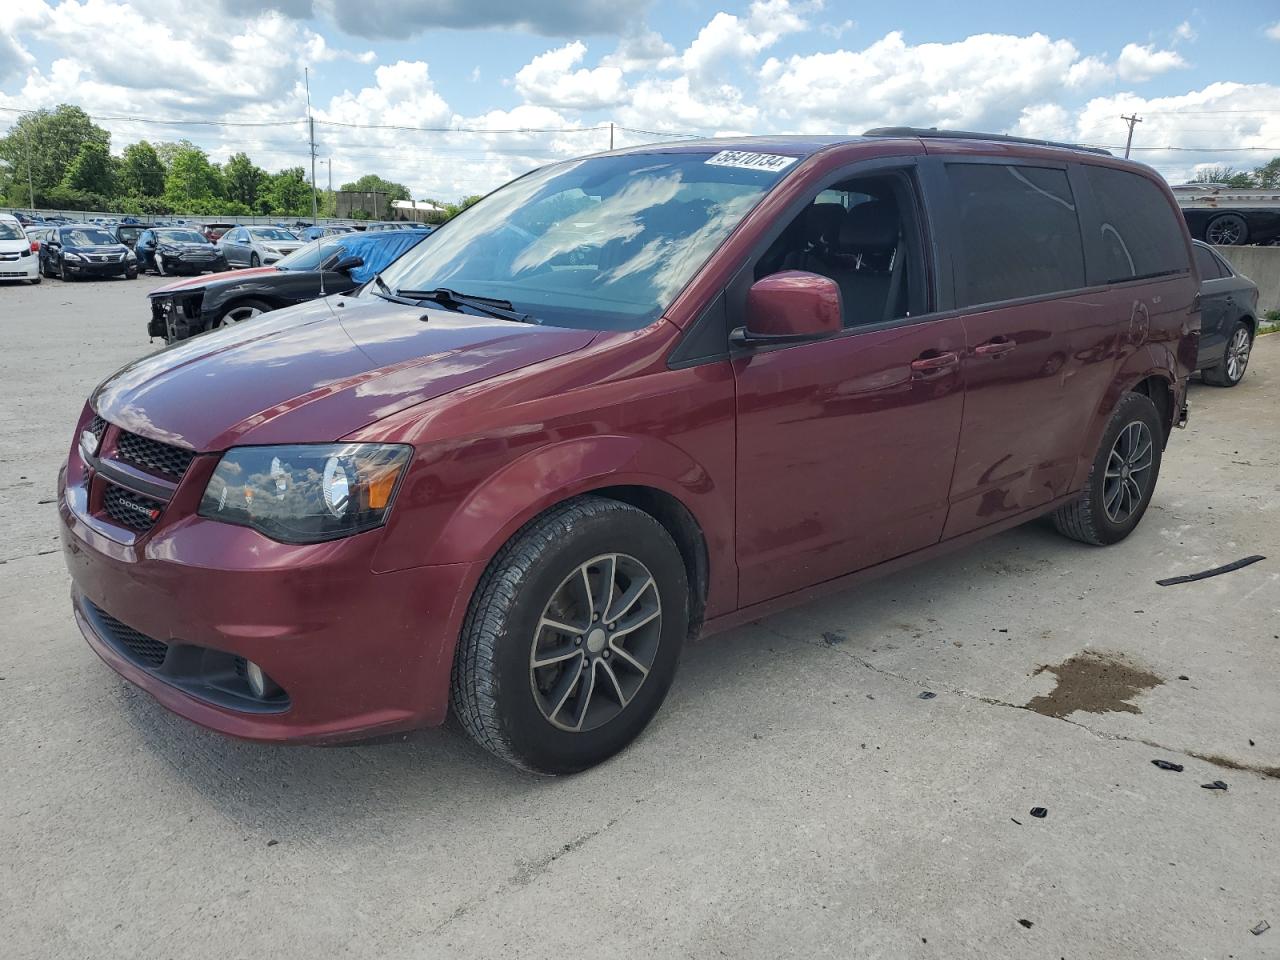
317, 372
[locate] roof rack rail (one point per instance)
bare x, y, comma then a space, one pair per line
936, 134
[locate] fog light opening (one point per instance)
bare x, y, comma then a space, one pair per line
260, 685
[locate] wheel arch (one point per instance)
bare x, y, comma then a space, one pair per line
1159, 389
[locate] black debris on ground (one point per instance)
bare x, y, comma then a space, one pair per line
927, 694
1016, 820
1216, 785
832, 637
1183, 676
1214, 572
272, 843
1168, 765
1027, 923
1261, 928
1039, 812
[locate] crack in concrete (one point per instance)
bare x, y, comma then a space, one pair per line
527, 873
1219, 761
28, 556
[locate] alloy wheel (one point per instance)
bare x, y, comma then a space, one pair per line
595, 642
1226, 233
1238, 354
1128, 472
237, 314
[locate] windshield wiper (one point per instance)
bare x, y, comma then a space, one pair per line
494, 307
388, 294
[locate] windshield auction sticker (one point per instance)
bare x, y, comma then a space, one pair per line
769, 162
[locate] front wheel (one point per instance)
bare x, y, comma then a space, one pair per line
254, 261
242, 310
1235, 358
572, 637
1122, 478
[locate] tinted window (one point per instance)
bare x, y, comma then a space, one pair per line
1207, 264
1018, 232
181, 236
87, 237
1223, 265
1140, 234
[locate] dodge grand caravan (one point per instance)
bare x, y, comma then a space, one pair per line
622, 401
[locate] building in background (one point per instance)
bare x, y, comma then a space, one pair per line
363, 205
419, 211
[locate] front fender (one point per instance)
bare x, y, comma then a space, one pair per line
490, 514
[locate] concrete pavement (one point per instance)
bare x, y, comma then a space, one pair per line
795, 797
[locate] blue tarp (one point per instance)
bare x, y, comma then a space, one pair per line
378, 249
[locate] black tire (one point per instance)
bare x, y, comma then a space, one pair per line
1087, 519
1224, 373
254, 261
492, 687
1227, 230
34, 280
62, 271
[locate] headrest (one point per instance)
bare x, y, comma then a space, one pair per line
870, 226
822, 222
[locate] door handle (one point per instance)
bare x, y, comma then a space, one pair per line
934, 362
995, 348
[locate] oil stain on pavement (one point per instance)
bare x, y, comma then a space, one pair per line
1093, 682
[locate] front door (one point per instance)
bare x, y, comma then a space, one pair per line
846, 445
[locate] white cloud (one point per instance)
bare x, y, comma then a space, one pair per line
639, 51
1138, 64
550, 80
1273, 31
1184, 31
728, 38
838, 30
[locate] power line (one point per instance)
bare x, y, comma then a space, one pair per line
178, 123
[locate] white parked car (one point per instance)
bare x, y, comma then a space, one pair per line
257, 246
19, 257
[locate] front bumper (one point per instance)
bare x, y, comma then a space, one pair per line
357, 654
24, 268
117, 268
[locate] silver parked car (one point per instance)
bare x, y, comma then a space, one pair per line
256, 246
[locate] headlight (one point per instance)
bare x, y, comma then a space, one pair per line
71, 256
130, 255
306, 493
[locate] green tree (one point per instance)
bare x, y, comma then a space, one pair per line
287, 194
1228, 175
91, 170
141, 172
191, 181
371, 183
1267, 176
52, 140
244, 180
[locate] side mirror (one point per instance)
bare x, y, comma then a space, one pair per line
347, 263
789, 307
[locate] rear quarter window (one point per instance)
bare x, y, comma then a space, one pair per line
1207, 264
1139, 234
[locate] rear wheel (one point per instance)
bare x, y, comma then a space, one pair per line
1227, 230
1122, 478
572, 637
254, 261
1235, 358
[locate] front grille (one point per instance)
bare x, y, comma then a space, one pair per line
138, 647
161, 458
130, 509
97, 426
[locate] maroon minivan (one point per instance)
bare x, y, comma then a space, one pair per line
622, 401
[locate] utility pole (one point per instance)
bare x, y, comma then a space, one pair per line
610, 134
31, 190
311, 125
1130, 120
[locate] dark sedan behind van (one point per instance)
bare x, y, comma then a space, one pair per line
1228, 318
82, 250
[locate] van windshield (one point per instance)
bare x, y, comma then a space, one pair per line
604, 243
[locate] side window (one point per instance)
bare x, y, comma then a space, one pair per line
1207, 264
1018, 232
1225, 268
862, 234
1139, 234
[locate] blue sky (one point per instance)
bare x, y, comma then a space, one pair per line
1202, 78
